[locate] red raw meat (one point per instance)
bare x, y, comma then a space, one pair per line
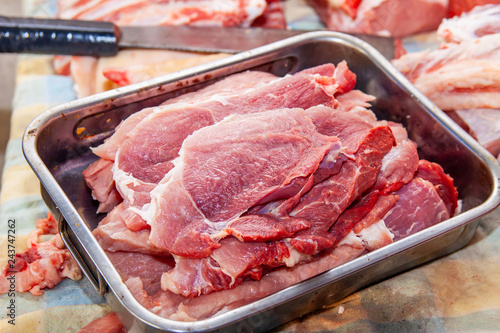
457, 7
327, 200
101, 190
396, 18
314, 86
443, 183
399, 165
146, 157
258, 201
231, 85
110, 323
372, 145
228, 168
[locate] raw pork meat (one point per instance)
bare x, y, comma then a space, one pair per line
284, 180
440, 74
91, 74
457, 7
101, 189
43, 265
110, 323
134, 73
471, 96
317, 211
172, 12
363, 227
396, 18
135, 180
483, 126
203, 196
480, 21
114, 235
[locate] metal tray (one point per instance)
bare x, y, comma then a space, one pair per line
56, 145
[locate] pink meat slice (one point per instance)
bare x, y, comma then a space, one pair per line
231, 86
43, 265
108, 149
327, 200
400, 163
177, 307
113, 235
139, 165
483, 125
149, 268
228, 168
396, 18
170, 12
193, 277
241, 94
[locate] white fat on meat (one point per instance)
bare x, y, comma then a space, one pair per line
458, 77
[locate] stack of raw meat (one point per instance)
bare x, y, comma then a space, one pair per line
462, 77
227, 194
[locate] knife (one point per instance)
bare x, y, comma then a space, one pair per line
95, 38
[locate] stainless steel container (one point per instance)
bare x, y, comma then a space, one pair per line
56, 145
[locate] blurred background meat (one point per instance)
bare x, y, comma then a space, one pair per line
396, 18
94, 75
462, 76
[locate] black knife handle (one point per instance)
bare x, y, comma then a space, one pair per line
53, 36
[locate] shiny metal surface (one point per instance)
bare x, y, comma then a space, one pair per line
56, 145
227, 39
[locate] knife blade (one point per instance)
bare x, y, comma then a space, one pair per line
95, 38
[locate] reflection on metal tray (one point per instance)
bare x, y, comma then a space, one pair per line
56, 145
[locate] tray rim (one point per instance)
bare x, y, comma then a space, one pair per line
110, 274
